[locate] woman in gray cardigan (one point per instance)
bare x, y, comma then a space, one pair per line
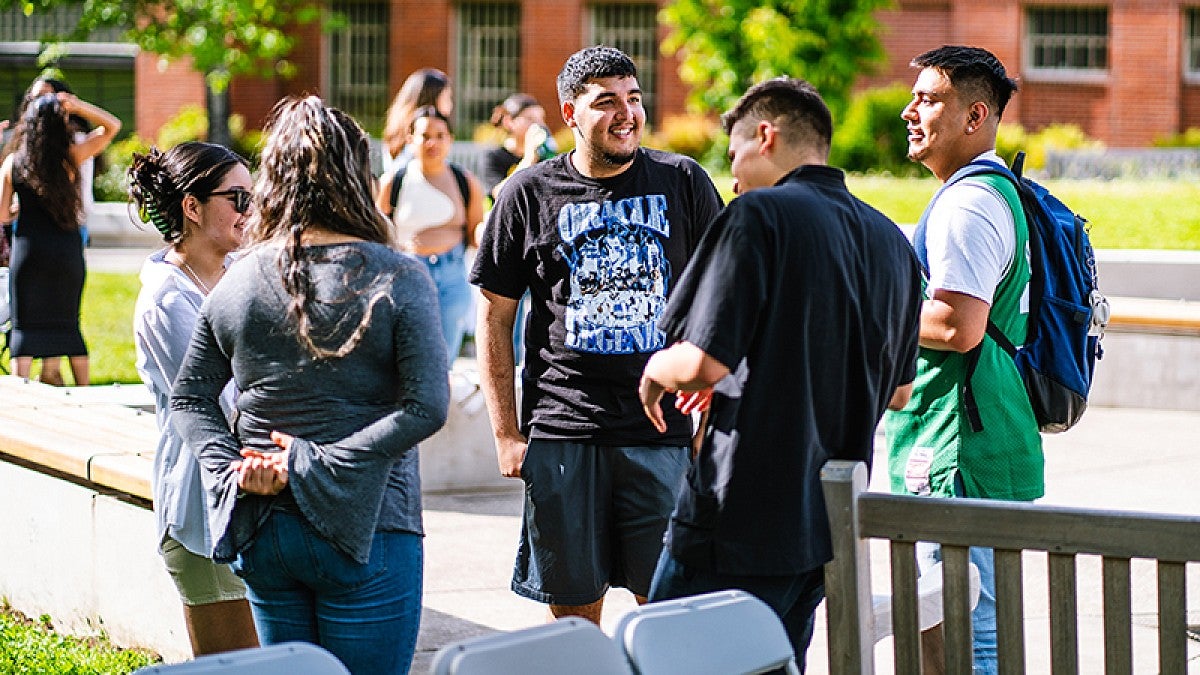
334, 342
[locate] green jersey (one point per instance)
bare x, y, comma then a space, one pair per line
931, 441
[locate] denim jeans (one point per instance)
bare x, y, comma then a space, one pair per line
794, 598
449, 272
301, 588
983, 617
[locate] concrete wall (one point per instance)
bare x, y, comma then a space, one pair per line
88, 560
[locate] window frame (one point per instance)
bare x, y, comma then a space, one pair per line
482, 80
1079, 74
621, 36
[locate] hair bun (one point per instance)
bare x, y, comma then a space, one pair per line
153, 189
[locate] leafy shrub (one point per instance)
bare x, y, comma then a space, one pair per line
190, 124
28, 646
1011, 138
691, 135
1190, 138
1057, 137
872, 137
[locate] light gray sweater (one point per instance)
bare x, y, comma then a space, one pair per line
353, 466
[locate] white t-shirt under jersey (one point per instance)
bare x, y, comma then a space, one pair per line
970, 238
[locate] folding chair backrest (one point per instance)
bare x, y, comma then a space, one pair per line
722, 633
288, 658
569, 645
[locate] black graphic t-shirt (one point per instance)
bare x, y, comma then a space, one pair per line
599, 258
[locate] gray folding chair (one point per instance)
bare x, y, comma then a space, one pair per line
570, 645
287, 658
721, 633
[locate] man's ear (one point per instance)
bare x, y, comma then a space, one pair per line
977, 114
767, 133
568, 113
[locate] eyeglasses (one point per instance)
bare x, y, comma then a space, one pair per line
239, 196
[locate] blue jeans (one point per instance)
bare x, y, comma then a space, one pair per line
301, 588
449, 272
794, 598
983, 617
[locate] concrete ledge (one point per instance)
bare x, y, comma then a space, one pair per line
1167, 317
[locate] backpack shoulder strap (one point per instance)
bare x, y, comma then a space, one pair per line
397, 181
464, 188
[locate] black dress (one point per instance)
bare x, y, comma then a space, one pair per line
45, 282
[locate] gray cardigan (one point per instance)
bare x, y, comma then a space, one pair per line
353, 467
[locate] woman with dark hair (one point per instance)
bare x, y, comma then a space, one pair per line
79, 128
47, 257
435, 206
332, 340
196, 195
427, 86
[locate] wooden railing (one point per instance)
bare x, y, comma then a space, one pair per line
1011, 528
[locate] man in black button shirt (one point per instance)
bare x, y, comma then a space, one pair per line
800, 308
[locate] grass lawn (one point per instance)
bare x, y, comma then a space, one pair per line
1123, 213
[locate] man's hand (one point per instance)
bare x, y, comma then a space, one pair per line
510, 453
651, 393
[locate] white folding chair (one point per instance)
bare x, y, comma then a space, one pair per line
570, 645
287, 658
722, 633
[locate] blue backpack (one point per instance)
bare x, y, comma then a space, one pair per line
1067, 313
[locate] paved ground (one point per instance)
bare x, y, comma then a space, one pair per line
1115, 459
1129, 459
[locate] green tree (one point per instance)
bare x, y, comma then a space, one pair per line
728, 45
223, 37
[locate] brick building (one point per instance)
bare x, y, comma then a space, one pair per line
1127, 71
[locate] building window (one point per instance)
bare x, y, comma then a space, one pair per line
1192, 43
489, 61
357, 66
99, 71
632, 28
1071, 40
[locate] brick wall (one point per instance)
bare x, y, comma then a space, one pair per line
1142, 98
1145, 73
160, 92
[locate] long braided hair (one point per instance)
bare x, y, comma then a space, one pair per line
315, 173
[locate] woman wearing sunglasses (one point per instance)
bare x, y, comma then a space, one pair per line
196, 195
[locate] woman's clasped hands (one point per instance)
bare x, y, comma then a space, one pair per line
264, 473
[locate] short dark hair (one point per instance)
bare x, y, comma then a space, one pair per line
972, 71
591, 63
792, 104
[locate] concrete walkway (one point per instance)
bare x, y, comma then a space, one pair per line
1143, 460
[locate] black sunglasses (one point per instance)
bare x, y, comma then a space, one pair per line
239, 196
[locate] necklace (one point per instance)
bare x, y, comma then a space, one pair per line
195, 277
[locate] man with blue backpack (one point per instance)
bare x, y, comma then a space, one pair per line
974, 243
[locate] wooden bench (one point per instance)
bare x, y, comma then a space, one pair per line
78, 435
1011, 528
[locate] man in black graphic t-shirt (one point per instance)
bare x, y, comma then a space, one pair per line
598, 237
801, 306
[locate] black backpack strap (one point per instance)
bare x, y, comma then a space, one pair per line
970, 406
464, 188
397, 181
